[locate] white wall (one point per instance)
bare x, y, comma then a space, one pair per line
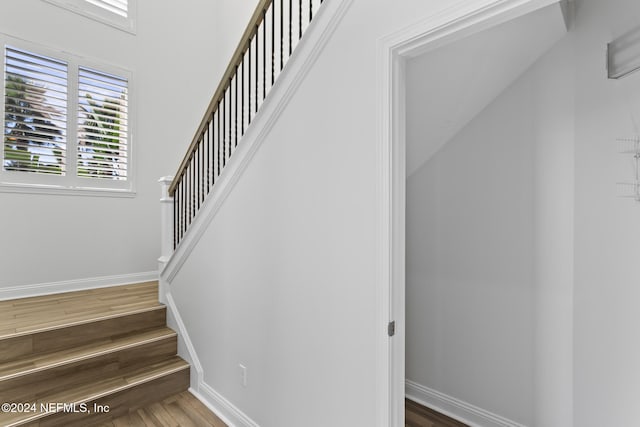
175, 68
489, 252
607, 351
231, 19
283, 280
602, 262
552, 93
456, 81
470, 241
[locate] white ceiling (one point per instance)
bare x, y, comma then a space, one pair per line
449, 86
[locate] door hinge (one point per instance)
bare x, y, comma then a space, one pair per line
391, 328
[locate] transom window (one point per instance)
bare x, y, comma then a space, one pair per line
66, 123
117, 13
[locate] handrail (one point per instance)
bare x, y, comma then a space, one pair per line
228, 115
241, 49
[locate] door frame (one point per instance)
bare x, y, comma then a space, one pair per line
461, 20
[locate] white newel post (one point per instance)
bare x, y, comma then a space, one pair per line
166, 228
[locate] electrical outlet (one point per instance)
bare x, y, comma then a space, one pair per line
243, 374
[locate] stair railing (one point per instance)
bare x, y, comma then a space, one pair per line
266, 45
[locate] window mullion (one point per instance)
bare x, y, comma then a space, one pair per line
100, 117
3, 44
72, 123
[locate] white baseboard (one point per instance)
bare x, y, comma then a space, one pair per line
38, 289
225, 410
186, 350
455, 408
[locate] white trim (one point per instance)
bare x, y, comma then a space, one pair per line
300, 63
54, 190
70, 183
461, 20
187, 351
391, 162
25, 291
385, 394
456, 408
306, 53
225, 410
99, 14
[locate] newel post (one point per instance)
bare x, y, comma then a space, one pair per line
166, 221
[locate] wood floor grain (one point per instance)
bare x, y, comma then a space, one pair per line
37, 325
417, 415
184, 410
36, 314
180, 410
119, 391
69, 355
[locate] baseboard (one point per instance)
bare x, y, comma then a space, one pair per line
38, 289
455, 408
225, 410
186, 350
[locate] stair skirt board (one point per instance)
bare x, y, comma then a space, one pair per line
309, 49
218, 404
455, 408
298, 66
225, 410
185, 346
26, 291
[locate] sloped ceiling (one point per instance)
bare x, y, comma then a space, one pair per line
449, 86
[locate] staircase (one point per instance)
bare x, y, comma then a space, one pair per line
85, 358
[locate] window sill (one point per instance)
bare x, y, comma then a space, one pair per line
65, 191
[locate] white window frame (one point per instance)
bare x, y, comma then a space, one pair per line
70, 183
97, 13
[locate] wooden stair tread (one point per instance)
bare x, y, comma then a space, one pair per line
107, 346
37, 314
99, 388
39, 362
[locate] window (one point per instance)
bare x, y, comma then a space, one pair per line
119, 7
66, 124
102, 125
117, 13
35, 113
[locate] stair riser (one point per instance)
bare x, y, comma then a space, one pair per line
67, 337
106, 347
34, 386
120, 403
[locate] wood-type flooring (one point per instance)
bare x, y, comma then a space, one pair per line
180, 410
417, 415
185, 410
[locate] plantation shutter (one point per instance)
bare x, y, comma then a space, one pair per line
119, 7
35, 113
102, 125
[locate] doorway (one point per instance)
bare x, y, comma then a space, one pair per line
398, 53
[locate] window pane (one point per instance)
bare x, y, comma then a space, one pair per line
35, 113
119, 7
102, 125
